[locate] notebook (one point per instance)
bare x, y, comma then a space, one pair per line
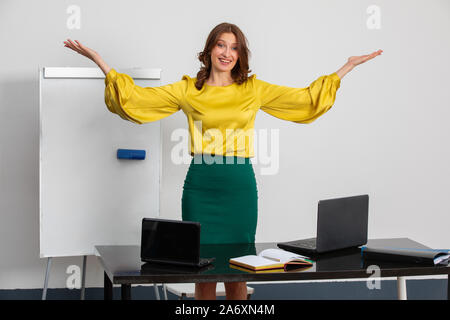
271, 259
341, 223
172, 242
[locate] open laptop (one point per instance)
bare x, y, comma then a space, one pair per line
172, 242
341, 223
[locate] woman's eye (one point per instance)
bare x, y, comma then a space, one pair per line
221, 45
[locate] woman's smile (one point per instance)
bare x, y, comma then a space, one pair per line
224, 62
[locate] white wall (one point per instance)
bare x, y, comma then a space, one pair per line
386, 135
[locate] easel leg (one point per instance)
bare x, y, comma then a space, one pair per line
108, 288
401, 288
448, 287
155, 285
47, 274
165, 291
83, 278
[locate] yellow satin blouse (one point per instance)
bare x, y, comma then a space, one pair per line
221, 118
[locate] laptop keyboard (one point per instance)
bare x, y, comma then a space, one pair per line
306, 243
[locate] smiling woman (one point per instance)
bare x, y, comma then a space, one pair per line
222, 195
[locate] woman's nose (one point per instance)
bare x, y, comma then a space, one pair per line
227, 52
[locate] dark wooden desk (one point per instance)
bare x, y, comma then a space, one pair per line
122, 265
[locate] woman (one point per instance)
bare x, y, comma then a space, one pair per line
220, 103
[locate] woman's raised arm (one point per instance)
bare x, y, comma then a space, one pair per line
130, 101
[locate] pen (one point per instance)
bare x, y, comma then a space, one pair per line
270, 258
278, 260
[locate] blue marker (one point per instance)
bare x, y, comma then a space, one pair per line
130, 154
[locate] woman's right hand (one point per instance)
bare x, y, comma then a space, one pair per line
88, 53
81, 49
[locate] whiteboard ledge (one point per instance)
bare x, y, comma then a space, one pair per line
97, 73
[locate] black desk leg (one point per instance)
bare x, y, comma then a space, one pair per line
126, 292
448, 287
108, 288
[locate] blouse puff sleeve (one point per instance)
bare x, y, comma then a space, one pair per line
300, 105
142, 104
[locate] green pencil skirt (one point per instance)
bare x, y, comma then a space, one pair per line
223, 197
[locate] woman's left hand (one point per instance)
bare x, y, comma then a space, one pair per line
355, 60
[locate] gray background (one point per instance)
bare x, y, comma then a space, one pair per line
386, 134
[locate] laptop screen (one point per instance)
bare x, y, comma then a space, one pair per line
167, 240
342, 223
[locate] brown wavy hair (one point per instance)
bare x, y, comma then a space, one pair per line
240, 71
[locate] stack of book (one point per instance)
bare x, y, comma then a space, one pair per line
423, 256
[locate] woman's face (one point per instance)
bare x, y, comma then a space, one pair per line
225, 49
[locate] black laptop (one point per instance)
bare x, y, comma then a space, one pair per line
172, 242
341, 223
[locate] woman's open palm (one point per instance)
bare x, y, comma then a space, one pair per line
81, 49
355, 60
